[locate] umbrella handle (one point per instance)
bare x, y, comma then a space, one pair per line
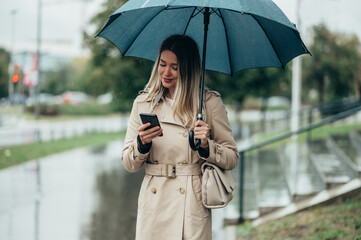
194, 146
197, 145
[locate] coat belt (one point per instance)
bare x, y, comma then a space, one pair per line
172, 170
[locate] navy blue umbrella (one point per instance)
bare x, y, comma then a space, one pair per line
232, 35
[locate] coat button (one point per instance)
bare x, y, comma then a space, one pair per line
182, 191
185, 134
154, 190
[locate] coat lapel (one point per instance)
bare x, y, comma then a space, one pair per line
165, 114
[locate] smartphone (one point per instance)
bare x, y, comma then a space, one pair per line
152, 118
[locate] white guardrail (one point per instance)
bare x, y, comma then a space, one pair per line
24, 132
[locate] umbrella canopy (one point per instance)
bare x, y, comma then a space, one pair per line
242, 34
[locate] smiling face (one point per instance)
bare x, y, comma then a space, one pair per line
168, 71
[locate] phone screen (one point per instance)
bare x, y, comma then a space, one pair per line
152, 118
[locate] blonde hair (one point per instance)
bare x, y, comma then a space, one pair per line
187, 91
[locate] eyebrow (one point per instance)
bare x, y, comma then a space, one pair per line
170, 64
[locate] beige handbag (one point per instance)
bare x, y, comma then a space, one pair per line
217, 186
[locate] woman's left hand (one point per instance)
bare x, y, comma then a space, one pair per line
201, 131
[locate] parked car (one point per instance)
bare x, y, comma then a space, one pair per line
75, 98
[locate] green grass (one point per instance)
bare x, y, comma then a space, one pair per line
339, 220
316, 134
332, 129
14, 155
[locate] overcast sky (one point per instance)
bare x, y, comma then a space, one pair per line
64, 19
62, 22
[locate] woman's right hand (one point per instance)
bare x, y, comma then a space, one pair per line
146, 136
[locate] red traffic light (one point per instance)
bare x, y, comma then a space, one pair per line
15, 78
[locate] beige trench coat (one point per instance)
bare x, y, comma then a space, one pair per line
171, 208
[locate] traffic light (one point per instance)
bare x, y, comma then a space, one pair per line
15, 78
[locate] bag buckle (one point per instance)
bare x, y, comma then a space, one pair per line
170, 171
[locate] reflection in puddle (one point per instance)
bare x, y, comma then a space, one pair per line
98, 149
115, 215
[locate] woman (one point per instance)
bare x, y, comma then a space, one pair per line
169, 204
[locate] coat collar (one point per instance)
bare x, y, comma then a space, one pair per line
165, 113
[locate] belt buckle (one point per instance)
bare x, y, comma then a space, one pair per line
172, 168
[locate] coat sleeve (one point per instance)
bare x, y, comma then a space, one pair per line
132, 159
222, 146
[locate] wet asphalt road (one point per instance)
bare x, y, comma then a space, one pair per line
80, 194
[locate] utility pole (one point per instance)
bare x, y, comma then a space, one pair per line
11, 62
296, 80
38, 56
296, 106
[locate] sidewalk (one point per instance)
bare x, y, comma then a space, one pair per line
79, 194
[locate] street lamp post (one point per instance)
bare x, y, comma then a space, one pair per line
11, 62
38, 56
296, 80
296, 106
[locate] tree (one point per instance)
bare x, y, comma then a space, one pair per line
108, 72
334, 69
4, 75
258, 82
57, 81
72, 76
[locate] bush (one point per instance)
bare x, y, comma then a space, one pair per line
83, 109
45, 110
89, 108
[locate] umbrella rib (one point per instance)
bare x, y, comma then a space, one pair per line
215, 11
226, 33
130, 45
274, 49
189, 20
199, 11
